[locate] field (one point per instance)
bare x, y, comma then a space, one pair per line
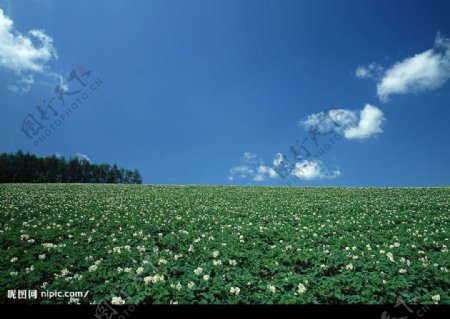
218, 244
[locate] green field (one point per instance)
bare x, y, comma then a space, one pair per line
224, 244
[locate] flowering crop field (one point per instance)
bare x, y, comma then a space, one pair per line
225, 244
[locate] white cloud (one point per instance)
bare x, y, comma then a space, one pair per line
370, 121
304, 170
373, 70
422, 72
249, 157
332, 120
83, 157
314, 169
251, 169
243, 171
351, 124
25, 55
279, 158
264, 171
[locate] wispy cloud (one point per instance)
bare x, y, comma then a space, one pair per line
253, 168
26, 55
351, 124
371, 71
242, 171
83, 157
249, 157
422, 72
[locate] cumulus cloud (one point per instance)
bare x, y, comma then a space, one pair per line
253, 167
370, 121
305, 170
25, 55
351, 124
264, 171
314, 169
422, 72
332, 120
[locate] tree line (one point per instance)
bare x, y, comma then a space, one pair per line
29, 168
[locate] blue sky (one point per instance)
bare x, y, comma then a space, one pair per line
216, 92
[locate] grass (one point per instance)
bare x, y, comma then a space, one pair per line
225, 244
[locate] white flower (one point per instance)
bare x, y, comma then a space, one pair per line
154, 279
73, 300
301, 289
140, 270
119, 269
235, 290
217, 262
215, 254
271, 288
42, 256
162, 261
14, 259
191, 285
13, 273
29, 269
178, 286
232, 262
436, 298
390, 256
198, 271
127, 269
349, 267
141, 249
205, 277
117, 301
93, 268
402, 271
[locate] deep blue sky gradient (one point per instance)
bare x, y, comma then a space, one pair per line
189, 86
